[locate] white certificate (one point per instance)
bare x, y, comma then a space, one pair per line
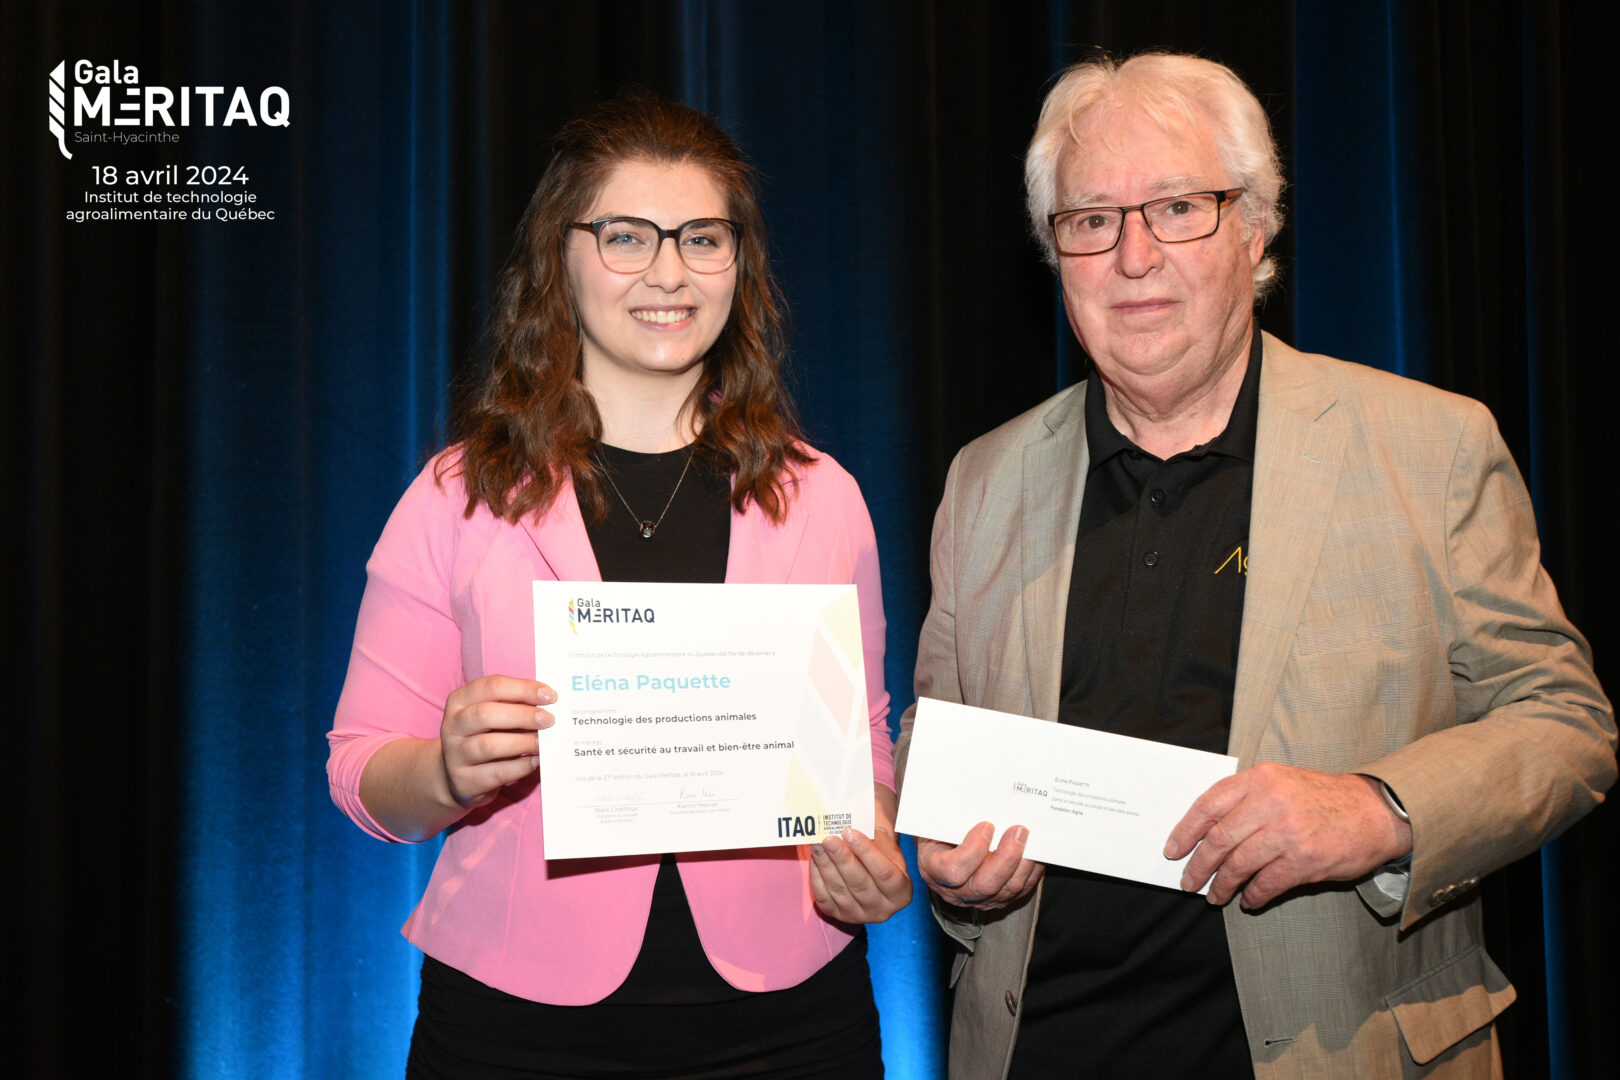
1091, 800
700, 717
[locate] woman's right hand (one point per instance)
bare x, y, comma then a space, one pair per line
487, 736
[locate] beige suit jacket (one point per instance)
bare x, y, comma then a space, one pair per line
1396, 622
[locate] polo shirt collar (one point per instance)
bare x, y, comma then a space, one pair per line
1236, 440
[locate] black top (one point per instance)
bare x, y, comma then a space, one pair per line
673, 1016
689, 545
692, 541
1126, 979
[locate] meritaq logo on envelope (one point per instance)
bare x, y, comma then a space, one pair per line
834, 711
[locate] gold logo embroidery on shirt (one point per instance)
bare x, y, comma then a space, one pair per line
1237, 560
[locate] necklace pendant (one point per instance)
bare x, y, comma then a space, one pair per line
648, 526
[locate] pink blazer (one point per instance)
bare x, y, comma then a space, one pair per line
447, 600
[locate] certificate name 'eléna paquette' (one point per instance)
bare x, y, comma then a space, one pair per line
700, 717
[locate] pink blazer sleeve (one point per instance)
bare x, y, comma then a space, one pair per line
407, 654
869, 587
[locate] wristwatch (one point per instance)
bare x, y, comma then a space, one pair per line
1394, 804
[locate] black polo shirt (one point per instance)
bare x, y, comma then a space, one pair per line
1131, 980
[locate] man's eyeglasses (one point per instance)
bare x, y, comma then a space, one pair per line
628, 245
1093, 230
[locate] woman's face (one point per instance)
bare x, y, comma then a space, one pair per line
658, 323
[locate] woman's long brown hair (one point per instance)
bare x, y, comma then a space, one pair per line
529, 422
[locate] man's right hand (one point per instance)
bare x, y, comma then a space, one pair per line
973, 876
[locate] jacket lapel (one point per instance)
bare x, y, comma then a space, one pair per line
560, 538
1054, 481
1299, 450
761, 551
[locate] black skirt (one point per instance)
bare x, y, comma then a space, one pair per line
827, 1026
673, 1017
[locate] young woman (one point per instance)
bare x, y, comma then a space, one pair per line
632, 426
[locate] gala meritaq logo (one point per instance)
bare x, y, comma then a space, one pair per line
109, 104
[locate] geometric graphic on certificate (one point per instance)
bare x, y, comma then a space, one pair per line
700, 717
832, 724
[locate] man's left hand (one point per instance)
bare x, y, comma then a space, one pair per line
1271, 828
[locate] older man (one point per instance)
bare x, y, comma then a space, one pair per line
1328, 571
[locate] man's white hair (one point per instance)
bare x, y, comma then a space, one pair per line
1174, 90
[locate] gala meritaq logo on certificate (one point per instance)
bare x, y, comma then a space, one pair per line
107, 106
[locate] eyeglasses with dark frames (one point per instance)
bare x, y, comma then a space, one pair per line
628, 245
1178, 219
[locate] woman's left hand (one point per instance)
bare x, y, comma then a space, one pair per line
856, 879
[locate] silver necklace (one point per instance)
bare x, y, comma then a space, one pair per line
647, 526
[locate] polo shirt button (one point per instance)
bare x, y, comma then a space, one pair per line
1156, 497
1012, 1003
1151, 559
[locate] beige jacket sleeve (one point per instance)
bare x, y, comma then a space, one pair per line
1533, 746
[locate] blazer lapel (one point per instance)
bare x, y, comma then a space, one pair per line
561, 540
762, 552
1299, 449
1054, 481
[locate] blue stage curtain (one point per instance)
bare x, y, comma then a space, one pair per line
319, 354
1446, 161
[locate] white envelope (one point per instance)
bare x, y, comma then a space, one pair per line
1090, 799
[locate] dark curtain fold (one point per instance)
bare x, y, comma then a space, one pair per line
210, 422
1513, 113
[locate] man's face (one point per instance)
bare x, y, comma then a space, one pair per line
1169, 316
